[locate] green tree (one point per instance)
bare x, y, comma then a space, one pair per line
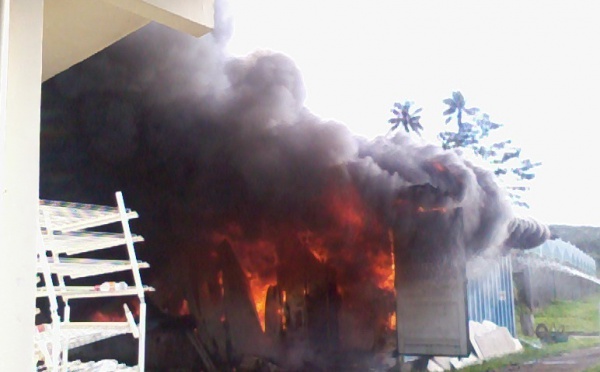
403, 115
503, 155
467, 133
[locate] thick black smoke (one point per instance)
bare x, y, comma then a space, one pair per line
199, 140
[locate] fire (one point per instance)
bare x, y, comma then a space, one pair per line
259, 290
347, 207
134, 306
384, 271
439, 166
184, 308
319, 253
116, 315
315, 244
392, 321
257, 259
433, 209
384, 266
99, 316
344, 229
401, 202
220, 281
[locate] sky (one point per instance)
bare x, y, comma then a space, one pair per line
533, 66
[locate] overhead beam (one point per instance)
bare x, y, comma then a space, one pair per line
194, 17
75, 30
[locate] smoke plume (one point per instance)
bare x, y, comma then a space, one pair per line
207, 146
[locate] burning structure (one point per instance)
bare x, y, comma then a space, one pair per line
278, 232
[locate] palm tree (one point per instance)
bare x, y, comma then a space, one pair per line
457, 105
467, 134
402, 115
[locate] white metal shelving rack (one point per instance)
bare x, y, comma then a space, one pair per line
63, 232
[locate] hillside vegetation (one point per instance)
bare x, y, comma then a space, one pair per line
574, 316
586, 238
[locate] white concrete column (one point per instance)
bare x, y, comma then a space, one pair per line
20, 89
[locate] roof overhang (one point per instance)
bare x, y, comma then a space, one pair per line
74, 29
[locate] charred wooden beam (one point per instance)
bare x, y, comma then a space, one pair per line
207, 363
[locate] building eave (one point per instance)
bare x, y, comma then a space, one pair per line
75, 30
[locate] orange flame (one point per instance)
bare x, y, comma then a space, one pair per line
134, 306
392, 321
259, 290
384, 272
434, 209
256, 259
349, 222
347, 207
384, 266
315, 245
220, 281
99, 316
184, 308
319, 252
281, 312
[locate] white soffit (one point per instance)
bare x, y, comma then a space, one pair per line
194, 17
74, 29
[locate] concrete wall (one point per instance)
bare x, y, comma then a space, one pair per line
21, 63
548, 285
540, 281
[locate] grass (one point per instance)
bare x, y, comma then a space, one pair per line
575, 316
580, 316
532, 354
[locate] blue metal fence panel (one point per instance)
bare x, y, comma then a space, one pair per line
490, 294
